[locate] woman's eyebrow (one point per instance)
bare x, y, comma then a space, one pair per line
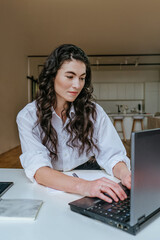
75, 73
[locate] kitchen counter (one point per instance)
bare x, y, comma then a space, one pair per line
154, 122
128, 121
129, 114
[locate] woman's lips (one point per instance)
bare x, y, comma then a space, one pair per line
73, 93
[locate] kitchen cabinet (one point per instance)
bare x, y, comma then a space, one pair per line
119, 91
152, 97
129, 91
108, 91
104, 90
139, 91
96, 90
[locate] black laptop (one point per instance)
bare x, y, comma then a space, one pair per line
143, 202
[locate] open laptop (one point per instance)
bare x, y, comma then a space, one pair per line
143, 202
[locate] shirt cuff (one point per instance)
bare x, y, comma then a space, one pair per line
109, 168
31, 162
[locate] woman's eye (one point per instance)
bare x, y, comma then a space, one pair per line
82, 79
70, 77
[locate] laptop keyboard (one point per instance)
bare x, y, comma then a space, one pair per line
119, 211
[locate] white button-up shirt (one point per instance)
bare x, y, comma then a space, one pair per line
36, 155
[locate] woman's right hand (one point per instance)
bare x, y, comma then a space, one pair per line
100, 187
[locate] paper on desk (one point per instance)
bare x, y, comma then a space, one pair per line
91, 175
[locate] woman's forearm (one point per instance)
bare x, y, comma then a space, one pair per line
58, 180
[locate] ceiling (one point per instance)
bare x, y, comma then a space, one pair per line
98, 27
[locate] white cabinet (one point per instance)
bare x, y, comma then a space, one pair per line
129, 91
138, 90
112, 91
152, 97
119, 91
104, 91
96, 87
135, 91
108, 91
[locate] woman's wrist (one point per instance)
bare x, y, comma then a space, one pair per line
124, 172
120, 170
81, 187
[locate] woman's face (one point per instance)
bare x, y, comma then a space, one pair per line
69, 81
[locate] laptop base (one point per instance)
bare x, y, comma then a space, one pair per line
86, 202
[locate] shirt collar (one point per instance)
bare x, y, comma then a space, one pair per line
71, 113
53, 111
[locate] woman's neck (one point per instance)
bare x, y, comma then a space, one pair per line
61, 111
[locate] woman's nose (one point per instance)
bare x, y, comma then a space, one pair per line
76, 83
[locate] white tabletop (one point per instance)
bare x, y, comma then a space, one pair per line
55, 219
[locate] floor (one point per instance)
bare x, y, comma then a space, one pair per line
10, 159
127, 146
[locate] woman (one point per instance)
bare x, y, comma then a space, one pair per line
63, 128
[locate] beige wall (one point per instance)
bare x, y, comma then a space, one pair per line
30, 27
13, 71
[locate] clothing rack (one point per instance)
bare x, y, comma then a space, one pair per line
34, 86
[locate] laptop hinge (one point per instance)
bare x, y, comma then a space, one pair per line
141, 219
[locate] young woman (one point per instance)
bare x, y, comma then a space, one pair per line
63, 128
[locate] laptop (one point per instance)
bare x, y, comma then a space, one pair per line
143, 202
4, 186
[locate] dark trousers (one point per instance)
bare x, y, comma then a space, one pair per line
90, 165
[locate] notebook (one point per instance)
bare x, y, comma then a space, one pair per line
19, 209
143, 202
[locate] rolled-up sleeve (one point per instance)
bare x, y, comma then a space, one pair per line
34, 154
111, 149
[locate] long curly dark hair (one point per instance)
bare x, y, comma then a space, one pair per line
80, 128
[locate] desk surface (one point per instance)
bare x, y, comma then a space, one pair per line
55, 219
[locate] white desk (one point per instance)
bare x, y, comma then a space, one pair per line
55, 219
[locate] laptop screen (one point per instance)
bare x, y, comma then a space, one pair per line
145, 163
